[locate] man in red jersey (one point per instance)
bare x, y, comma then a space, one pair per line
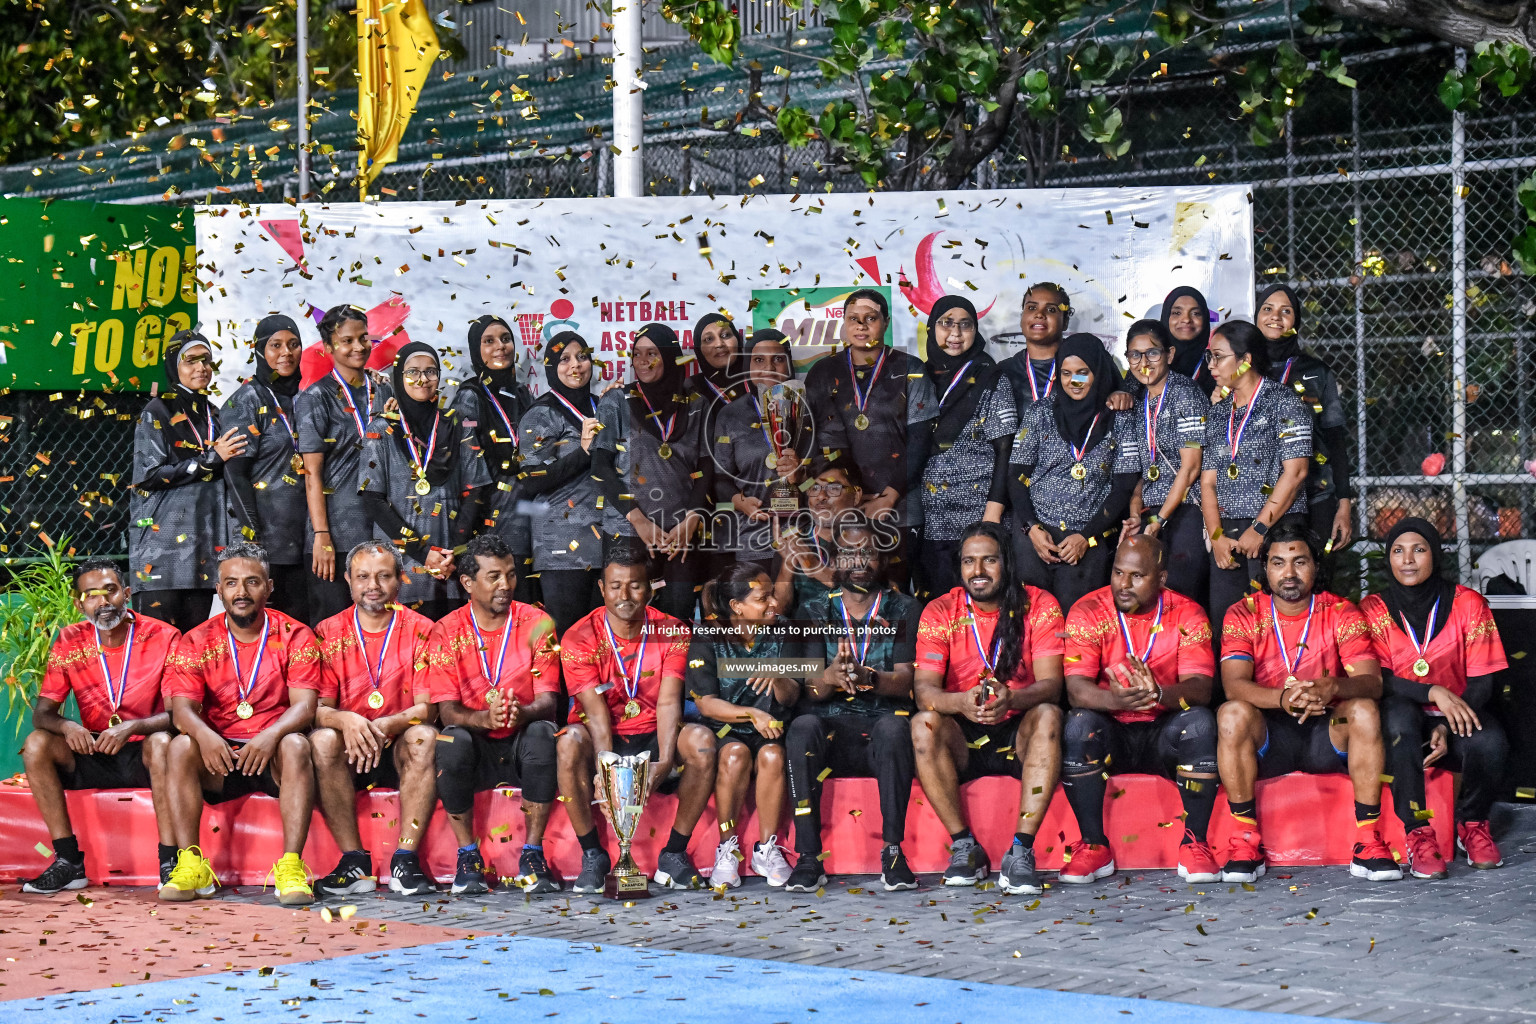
242, 689
624, 664
495, 677
1139, 669
112, 663
987, 680
1302, 681
371, 726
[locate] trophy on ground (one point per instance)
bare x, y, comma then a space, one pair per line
625, 783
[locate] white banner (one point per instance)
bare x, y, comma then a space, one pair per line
603, 267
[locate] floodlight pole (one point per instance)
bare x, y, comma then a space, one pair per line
303, 48
628, 100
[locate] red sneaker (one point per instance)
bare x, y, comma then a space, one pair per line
1474, 840
1424, 860
1245, 856
1196, 861
1373, 859
1086, 862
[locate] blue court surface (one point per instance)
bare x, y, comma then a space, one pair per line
496, 978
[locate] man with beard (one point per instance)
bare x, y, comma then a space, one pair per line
242, 689
1302, 680
371, 726
988, 677
112, 662
853, 719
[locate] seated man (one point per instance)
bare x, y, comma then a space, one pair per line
624, 665
242, 689
805, 572
1302, 680
988, 677
371, 726
112, 663
1139, 671
854, 720
495, 675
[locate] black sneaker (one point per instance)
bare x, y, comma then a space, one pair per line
60, 875
352, 874
166, 867
534, 874
676, 871
469, 875
406, 876
894, 872
595, 865
1017, 875
807, 875
968, 863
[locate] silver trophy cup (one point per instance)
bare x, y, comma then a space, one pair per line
625, 784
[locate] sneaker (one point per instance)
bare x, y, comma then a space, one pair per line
1424, 859
676, 871
1245, 856
290, 877
469, 874
353, 873
406, 876
1196, 861
192, 877
533, 871
968, 863
60, 875
595, 866
1086, 862
894, 872
807, 876
166, 867
726, 874
1017, 875
768, 861
1474, 840
1373, 859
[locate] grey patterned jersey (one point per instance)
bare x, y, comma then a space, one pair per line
327, 427
1059, 499
280, 512
1280, 428
958, 476
565, 522
1180, 423
662, 488
174, 532
502, 501
740, 450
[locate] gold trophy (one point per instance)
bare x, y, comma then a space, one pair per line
625, 782
783, 411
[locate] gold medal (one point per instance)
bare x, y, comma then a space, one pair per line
665, 451
1153, 472
1232, 471
375, 700
115, 721
861, 421
422, 487
297, 462
632, 709
1421, 668
1079, 471
244, 709
772, 460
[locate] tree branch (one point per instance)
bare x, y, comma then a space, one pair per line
1464, 22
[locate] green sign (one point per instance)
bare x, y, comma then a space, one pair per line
811, 318
91, 291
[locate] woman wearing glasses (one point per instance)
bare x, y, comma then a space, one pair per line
177, 502
423, 484
1258, 442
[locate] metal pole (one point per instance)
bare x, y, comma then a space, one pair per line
1459, 335
628, 100
303, 48
1362, 506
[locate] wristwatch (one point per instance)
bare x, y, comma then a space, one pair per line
1260, 527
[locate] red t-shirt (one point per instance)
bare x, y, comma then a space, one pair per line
1338, 638
75, 667
1180, 647
201, 669
457, 673
346, 669
1468, 645
588, 662
945, 642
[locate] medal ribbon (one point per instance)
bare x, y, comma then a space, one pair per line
861, 396
997, 642
1050, 381
1157, 625
956, 380
581, 417
246, 685
201, 444
666, 431
115, 697
502, 415
1234, 442
1078, 451
485, 667
1291, 663
376, 677
1429, 630
630, 688
1150, 419
1285, 376
874, 610
410, 444
346, 399
293, 434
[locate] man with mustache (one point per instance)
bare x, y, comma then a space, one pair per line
112, 662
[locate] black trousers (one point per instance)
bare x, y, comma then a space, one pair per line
938, 568
853, 746
1229, 586
329, 597
183, 609
1189, 564
1094, 742
569, 594
1066, 583
1480, 758
472, 762
678, 597
290, 592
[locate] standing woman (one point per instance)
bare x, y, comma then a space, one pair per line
1439, 649
556, 439
965, 480
1330, 497
334, 413
653, 467
1072, 475
423, 484
1187, 316
265, 485
177, 505
716, 344
1258, 443
489, 407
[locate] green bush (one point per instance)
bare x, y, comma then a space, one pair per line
36, 605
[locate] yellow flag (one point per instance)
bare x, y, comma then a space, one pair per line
396, 47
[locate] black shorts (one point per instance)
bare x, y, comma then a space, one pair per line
1292, 746
753, 741
122, 770
237, 785
385, 774
996, 756
497, 760
646, 743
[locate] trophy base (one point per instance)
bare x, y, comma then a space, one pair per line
627, 887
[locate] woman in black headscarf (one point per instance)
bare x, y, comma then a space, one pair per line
1187, 316
965, 477
489, 407
177, 505
1439, 649
1330, 496
556, 434
423, 483
1071, 476
265, 485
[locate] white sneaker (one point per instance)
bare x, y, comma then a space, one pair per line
726, 872
768, 861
